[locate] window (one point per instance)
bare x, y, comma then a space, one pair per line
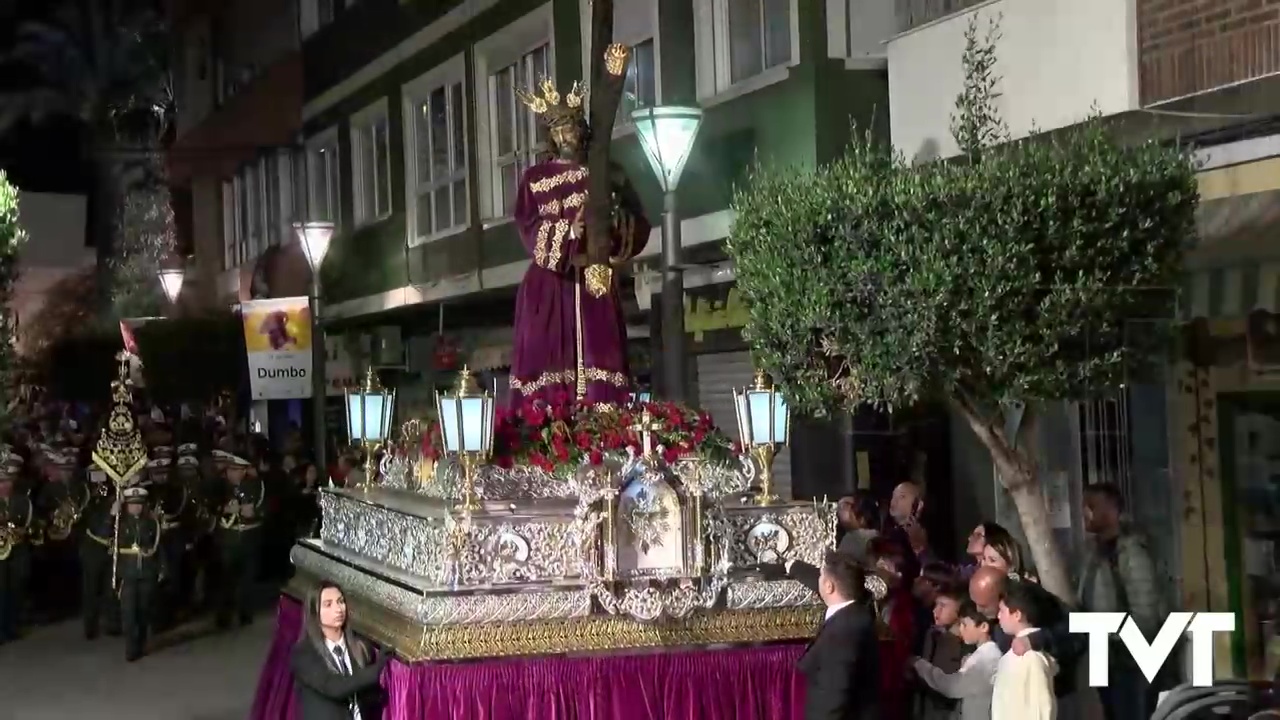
436, 161
315, 14
518, 136
256, 207
516, 57
635, 23
741, 40
371, 156
641, 87
323, 179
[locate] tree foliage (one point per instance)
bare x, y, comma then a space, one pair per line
1008, 274
11, 240
68, 309
146, 239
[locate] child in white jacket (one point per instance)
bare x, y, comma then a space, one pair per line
1023, 683
972, 683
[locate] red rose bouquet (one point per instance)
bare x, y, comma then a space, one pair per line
558, 434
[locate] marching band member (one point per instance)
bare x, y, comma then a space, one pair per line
139, 567
239, 540
97, 599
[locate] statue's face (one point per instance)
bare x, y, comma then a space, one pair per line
568, 138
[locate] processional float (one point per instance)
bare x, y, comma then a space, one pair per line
448, 554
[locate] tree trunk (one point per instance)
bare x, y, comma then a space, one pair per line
1016, 463
606, 93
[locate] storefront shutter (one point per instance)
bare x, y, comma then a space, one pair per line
717, 376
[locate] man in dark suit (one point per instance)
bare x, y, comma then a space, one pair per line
840, 665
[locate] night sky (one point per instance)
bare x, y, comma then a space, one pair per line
40, 158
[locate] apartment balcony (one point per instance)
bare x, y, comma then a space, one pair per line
1059, 61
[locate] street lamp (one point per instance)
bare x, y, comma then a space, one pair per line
369, 414
667, 135
763, 426
314, 238
466, 427
171, 282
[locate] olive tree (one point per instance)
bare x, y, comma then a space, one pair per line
995, 281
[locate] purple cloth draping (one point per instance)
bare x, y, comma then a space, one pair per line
756, 683
735, 684
274, 697
556, 319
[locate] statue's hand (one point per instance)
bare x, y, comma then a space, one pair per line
577, 229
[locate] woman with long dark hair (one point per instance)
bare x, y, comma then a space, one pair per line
335, 674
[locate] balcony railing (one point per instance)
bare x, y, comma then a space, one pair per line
914, 13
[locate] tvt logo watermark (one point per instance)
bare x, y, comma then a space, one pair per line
1151, 656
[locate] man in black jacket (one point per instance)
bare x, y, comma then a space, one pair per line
841, 666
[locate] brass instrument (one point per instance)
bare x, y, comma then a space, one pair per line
12, 534
63, 520
9, 537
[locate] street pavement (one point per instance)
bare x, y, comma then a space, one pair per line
55, 674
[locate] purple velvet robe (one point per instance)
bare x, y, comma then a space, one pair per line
566, 341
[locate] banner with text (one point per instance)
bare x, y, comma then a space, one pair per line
277, 339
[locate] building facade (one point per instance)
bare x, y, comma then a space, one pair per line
56, 253
1191, 448
238, 86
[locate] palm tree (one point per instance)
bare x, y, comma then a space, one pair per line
104, 63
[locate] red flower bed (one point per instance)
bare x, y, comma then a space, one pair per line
557, 434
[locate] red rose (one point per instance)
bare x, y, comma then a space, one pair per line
505, 461
596, 457
671, 454
561, 452
583, 440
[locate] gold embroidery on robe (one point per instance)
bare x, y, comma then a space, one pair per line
569, 377
555, 181
540, 247
557, 243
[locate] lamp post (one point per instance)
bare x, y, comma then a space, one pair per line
369, 414
171, 280
763, 425
667, 135
466, 427
314, 238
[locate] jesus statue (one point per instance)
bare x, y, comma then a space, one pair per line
570, 334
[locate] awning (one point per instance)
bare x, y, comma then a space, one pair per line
1235, 268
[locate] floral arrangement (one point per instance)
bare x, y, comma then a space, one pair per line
558, 434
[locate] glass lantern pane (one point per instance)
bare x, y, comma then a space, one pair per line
388, 414
450, 417
373, 429
744, 417
355, 418
472, 424
781, 419
487, 417
761, 409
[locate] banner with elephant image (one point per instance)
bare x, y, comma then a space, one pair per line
277, 340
